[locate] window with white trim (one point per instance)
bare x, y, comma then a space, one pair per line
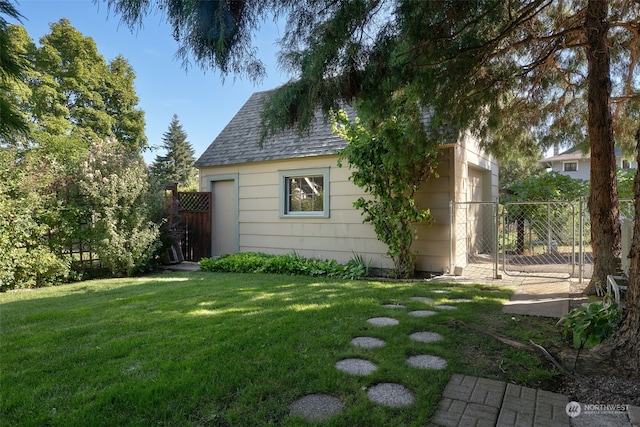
570, 166
304, 192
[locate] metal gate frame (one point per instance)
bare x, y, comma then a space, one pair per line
549, 243
454, 238
579, 238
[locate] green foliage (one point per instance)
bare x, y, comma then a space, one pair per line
69, 89
114, 189
252, 262
547, 186
177, 164
293, 263
12, 68
356, 267
591, 324
390, 159
27, 214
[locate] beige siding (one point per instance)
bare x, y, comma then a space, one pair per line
338, 237
262, 229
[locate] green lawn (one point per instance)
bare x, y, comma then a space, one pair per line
199, 349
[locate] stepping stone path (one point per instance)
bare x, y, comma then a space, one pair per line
426, 337
368, 342
390, 394
421, 313
316, 407
359, 367
423, 299
425, 361
460, 300
383, 321
394, 306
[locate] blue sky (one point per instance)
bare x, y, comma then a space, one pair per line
203, 102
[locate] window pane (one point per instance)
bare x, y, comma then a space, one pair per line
571, 167
305, 193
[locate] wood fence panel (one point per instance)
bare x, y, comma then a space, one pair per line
194, 211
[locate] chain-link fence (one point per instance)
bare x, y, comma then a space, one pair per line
551, 239
539, 237
474, 238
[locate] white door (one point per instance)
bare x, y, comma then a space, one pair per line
224, 218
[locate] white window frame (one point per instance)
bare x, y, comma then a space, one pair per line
285, 175
564, 166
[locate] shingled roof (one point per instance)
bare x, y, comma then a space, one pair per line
239, 141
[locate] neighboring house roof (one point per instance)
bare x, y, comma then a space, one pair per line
566, 156
573, 154
239, 141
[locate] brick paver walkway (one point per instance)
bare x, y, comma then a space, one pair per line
478, 402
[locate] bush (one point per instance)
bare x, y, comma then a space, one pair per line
254, 262
592, 323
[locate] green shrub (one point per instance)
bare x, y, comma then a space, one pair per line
591, 323
254, 262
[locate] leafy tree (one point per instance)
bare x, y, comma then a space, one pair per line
391, 160
12, 68
28, 209
519, 73
114, 190
72, 90
177, 164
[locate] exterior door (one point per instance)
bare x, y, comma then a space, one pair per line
224, 234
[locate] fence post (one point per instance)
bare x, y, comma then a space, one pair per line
496, 250
581, 242
451, 234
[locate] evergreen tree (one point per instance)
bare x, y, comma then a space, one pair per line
12, 68
177, 164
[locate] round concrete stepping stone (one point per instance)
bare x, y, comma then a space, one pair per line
421, 313
440, 291
460, 300
445, 307
394, 306
425, 361
390, 394
383, 321
359, 367
368, 342
316, 407
423, 299
425, 337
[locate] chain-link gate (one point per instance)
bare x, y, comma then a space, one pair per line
540, 238
474, 239
544, 239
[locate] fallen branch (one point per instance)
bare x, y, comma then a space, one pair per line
503, 340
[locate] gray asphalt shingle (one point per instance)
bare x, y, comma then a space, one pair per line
239, 141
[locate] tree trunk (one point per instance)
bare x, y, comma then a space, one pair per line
603, 199
626, 350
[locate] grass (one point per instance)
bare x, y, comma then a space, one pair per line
200, 349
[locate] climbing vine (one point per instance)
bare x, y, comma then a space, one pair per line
391, 158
